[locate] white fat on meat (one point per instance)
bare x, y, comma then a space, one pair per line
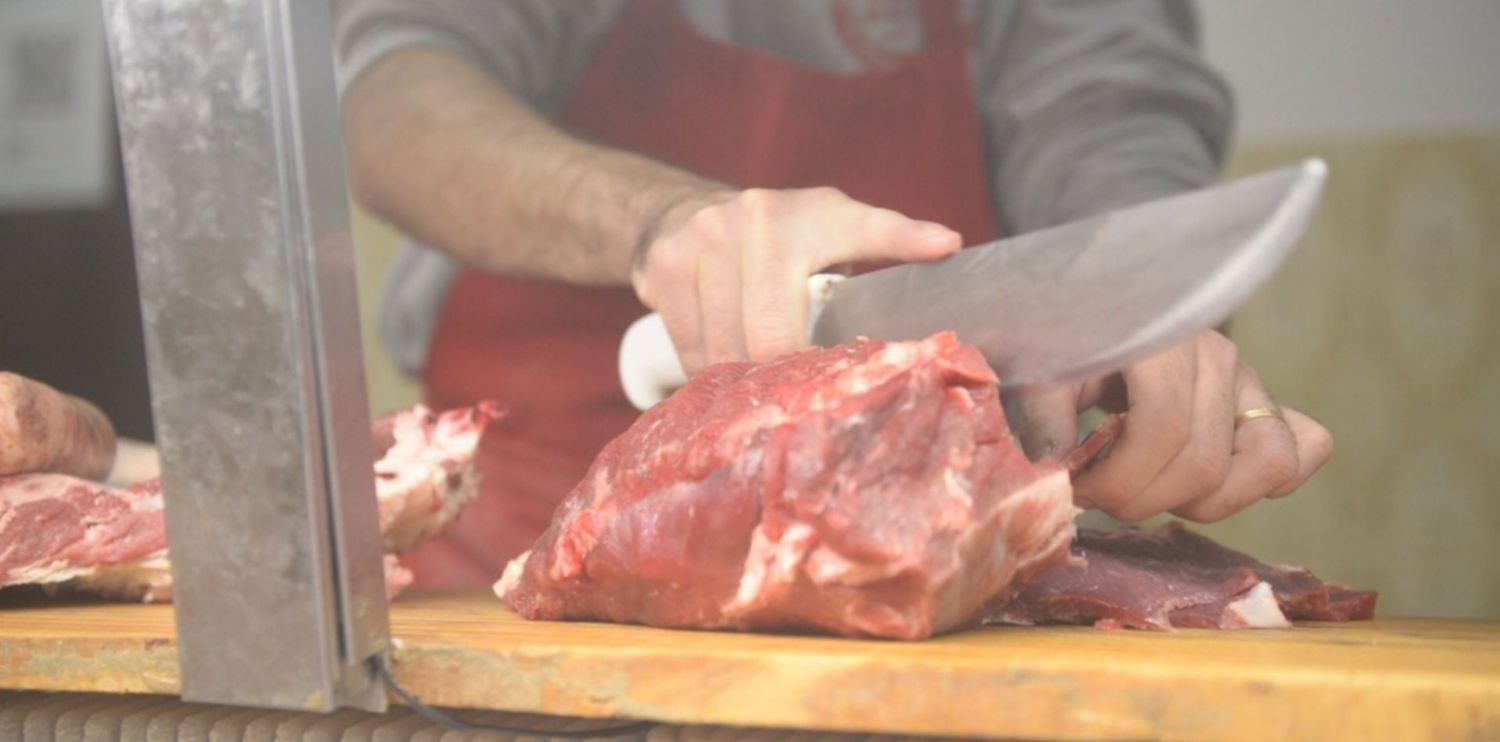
1258, 609
511, 577
426, 477
771, 566
422, 481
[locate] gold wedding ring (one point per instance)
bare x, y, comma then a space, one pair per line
1248, 415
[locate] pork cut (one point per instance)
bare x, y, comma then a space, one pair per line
59, 530
1169, 577
872, 489
45, 430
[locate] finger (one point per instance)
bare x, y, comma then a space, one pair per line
1314, 447
865, 234
1158, 424
1046, 422
774, 293
719, 309
1265, 459
684, 326
1202, 466
680, 313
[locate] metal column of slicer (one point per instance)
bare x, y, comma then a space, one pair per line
234, 169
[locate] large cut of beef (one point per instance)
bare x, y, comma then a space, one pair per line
59, 530
871, 489
1169, 577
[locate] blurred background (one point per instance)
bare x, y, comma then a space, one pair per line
1386, 324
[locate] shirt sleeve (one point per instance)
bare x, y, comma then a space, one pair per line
535, 48
1090, 106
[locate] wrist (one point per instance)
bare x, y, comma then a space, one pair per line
666, 211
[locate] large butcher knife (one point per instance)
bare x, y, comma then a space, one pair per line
1059, 305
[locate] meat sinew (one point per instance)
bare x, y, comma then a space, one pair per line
871, 489
1169, 577
60, 530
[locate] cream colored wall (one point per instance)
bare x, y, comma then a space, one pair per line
1384, 326
375, 246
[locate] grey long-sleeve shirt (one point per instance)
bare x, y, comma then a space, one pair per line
1086, 105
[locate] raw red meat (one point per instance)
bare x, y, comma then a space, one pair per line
870, 489
1169, 577
58, 529
55, 527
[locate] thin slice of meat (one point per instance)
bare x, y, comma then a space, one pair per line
44, 430
1169, 577
872, 489
61, 530
55, 527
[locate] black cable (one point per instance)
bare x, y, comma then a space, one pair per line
383, 664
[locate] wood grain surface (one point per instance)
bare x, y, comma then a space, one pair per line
1392, 678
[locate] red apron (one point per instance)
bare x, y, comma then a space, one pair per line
905, 137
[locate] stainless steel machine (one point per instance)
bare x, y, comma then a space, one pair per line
229, 125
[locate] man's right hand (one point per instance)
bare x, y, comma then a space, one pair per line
457, 161
727, 270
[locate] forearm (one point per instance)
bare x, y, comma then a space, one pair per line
449, 156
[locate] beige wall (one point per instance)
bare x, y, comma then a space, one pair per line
376, 245
1384, 326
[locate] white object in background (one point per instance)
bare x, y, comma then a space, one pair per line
55, 145
649, 368
135, 461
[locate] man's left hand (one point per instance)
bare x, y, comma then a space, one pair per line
1186, 447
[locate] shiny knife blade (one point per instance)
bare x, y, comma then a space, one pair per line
1081, 300
1060, 305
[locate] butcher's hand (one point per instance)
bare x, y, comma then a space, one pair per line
727, 270
1185, 448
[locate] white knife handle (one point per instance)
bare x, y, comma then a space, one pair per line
649, 367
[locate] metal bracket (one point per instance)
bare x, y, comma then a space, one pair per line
234, 165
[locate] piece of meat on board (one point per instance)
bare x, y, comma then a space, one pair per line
1169, 577
44, 430
872, 489
57, 529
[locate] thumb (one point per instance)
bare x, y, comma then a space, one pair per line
881, 235
1046, 422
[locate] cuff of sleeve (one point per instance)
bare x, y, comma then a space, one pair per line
377, 44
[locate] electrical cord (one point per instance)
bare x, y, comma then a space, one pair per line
383, 665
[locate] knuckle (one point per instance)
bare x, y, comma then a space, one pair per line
1216, 345
758, 203
1280, 464
706, 228
1174, 431
1204, 472
670, 263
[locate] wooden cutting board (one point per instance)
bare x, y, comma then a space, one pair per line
1392, 678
